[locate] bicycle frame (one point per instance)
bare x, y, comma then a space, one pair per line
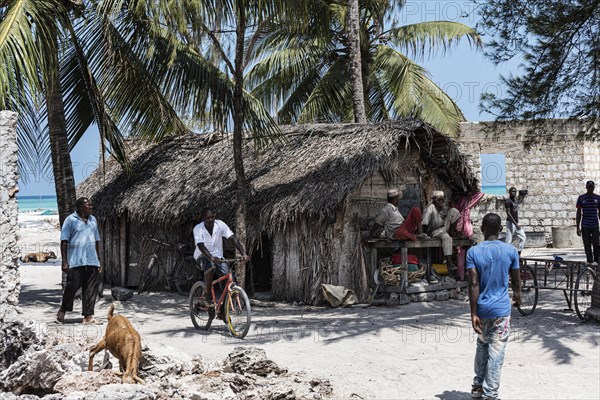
229, 278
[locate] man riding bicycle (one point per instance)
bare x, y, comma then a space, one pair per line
208, 236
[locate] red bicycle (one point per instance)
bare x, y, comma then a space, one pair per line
237, 312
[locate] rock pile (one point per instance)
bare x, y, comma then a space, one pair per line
38, 363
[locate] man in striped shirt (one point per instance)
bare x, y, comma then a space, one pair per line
588, 205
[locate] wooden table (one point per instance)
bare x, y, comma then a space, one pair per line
404, 245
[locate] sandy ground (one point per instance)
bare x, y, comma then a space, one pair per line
415, 351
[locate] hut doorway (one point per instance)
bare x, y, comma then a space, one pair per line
262, 266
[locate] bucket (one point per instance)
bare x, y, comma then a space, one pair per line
565, 237
440, 269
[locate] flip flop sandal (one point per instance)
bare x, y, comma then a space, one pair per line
60, 317
91, 321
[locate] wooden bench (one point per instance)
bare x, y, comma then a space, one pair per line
403, 246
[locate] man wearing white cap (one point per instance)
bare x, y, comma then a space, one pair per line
440, 222
395, 227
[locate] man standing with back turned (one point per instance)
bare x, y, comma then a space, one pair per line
588, 205
489, 265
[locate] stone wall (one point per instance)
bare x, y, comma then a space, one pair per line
554, 173
9, 230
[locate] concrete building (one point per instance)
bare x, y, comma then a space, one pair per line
553, 172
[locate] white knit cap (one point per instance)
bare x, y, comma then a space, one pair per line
393, 193
438, 193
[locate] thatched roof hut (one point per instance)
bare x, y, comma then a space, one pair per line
305, 186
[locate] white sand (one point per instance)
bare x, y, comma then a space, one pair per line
416, 351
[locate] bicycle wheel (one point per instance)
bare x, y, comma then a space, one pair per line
185, 274
529, 291
583, 291
202, 317
146, 274
237, 312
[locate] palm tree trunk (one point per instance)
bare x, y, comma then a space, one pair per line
358, 98
238, 124
64, 181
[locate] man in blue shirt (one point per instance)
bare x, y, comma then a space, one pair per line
588, 205
79, 240
489, 265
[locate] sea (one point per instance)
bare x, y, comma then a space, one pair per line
43, 204
497, 190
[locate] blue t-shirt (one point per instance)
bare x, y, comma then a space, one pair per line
589, 210
493, 260
82, 238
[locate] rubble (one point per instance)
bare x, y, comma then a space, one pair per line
251, 360
45, 364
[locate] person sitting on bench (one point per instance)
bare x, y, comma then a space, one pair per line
440, 222
395, 226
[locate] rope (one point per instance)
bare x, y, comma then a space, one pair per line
393, 274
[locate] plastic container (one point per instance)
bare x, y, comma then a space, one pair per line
440, 269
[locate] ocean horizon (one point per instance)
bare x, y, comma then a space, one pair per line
45, 204
498, 190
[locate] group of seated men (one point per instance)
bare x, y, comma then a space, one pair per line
437, 221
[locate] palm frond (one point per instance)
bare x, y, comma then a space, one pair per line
27, 30
330, 100
135, 98
413, 94
426, 38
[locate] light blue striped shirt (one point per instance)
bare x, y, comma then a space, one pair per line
82, 238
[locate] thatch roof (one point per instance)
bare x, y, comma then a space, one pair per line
310, 173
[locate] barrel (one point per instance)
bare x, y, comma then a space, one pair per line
565, 237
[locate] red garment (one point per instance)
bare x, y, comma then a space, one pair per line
464, 226
407, 230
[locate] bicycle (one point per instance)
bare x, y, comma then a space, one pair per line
181, 277
237, 314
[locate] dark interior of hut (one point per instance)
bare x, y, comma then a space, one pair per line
262, 267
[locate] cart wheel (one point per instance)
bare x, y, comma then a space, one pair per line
583, 291
529, 291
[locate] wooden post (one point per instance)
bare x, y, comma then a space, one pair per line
123, 248
373, 263
405, 266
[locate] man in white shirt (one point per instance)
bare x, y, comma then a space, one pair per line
440, 222
208, 236
395, 226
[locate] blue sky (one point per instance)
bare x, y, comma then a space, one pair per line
493, 170
463, 73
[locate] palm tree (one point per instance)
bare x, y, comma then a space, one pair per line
59, 69
308, 70
354, 63
203, 78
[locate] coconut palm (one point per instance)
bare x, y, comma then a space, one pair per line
354, 63
209, 45
305, 75
60, 62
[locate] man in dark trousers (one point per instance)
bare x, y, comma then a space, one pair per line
79, 240
588, 205
209, 235
512, 219
489, 264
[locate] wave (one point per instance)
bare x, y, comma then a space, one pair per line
44, 205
